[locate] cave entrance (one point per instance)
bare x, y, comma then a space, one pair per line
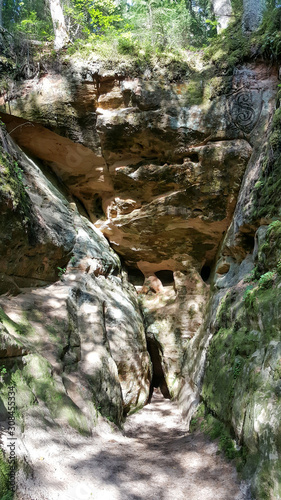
166, 277
135, 276
205, 273
158, 377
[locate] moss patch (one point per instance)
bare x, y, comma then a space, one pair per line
12, 186
229, 48
217, 431
268, 36
267, 192
5, 492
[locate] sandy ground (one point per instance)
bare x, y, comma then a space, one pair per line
155, 459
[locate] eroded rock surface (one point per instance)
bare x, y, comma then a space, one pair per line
156, 164
85, 329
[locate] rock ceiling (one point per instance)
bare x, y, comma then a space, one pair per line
158, 174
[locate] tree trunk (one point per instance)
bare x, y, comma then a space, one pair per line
1, 21
1, 8
61, 35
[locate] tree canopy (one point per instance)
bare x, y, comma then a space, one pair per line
159, 22
131, 26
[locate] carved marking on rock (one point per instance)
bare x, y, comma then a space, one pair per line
244, 109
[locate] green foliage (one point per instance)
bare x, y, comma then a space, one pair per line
30, 17
267, 192
165, 25
91, 19
230, 47
3, 370
266, 280
216, 430
250, 298
268, 37
252, 276
148, 25
237, 367
11, 184
61, 270
127, 44
6, 494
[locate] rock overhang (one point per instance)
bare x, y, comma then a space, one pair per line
157, 167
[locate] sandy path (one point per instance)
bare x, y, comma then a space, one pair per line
156, 459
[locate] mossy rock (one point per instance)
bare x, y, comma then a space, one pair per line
5, 492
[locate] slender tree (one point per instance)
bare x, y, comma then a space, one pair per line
60, 31
1, 19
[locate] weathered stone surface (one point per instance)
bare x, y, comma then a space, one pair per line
176, 205
172, 317
83, 171
37, 234
159, 165
242, 378
222, 11
86, 328
252, 14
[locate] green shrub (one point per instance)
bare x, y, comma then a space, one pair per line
250, 298
266, 280
6, 494
126, 44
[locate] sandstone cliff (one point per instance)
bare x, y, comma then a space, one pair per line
132, 216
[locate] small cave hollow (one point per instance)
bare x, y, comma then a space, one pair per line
135, 276
158, 376
247, 240
97, 206
166, 277
194, 157
205, 273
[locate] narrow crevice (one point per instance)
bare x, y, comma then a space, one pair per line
158, 376
205, 273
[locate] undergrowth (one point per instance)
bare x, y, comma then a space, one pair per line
5, 492
267, 38
267, 192
11, 184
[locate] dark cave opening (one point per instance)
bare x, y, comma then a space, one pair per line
194, 157
97, 205
205, 273
135, 276
247, 240
166, 277
158, 376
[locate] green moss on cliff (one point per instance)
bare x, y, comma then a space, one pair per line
242, 385
268, 36
5, 492
11, 184
267, 194
229, 48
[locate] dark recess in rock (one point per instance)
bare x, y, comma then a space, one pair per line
135, 276
97, 206
194, 157
166, 277
205, 273
158, 376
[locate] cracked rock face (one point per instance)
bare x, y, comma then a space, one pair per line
77, 331
157, 166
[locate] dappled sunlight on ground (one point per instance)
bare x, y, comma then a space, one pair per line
155, 458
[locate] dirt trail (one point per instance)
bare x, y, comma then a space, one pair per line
155, 460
